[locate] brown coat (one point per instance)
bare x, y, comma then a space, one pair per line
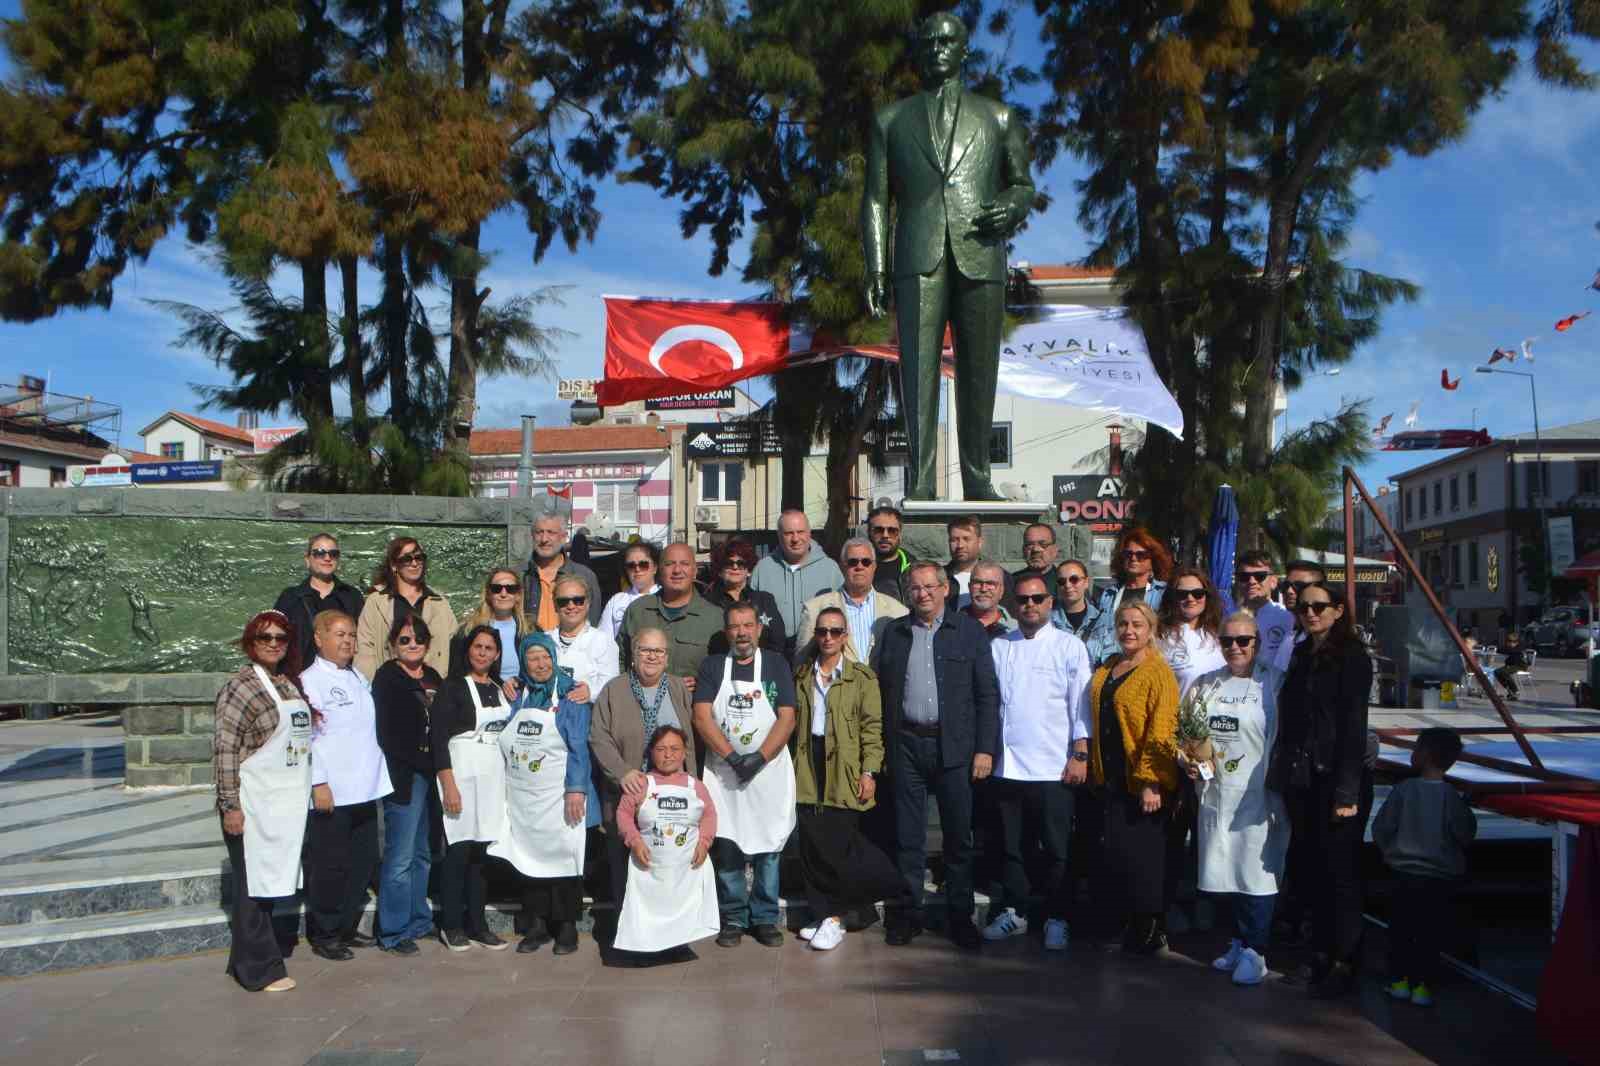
616, 736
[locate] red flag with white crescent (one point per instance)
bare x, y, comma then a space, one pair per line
657, 347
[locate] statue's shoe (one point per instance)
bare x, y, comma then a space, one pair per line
983, 492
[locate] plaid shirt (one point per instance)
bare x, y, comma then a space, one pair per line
246, 718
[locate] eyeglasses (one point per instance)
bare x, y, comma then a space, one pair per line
324, 553
1242, 640
571, 601
1190, 594
1037, 543
503, 588
986, 582
638, 564
858, 563
1254, 575
1136, 554
736, 564
1315, 607
651, 653
408, 642
830, 631
412, 558
1034, 598
884, 529
924, 590
272, 638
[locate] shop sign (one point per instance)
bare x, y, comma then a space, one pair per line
1094, 500
693, 401
732, 440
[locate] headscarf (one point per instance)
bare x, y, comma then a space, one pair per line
538, 693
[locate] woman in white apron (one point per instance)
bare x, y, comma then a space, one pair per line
465, 723
672, 897
262, 759
1243, 825
550, 798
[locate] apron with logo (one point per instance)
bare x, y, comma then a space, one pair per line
274, 793
1243, 826
757, 815
538, 841
671, 903
480, 774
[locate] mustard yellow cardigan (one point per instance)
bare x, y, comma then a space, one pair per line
1147, 711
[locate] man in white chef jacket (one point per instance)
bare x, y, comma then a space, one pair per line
1256, 582
1044, 754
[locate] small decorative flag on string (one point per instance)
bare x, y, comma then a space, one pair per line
1411, 416
1383, 425
565, 492
1570, 321
1595, 284
1506, 354
1527, 348
1446, 383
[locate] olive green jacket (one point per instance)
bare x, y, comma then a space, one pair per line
854, 735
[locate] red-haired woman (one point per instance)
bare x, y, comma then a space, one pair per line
732, 563
1140, 567
262, 758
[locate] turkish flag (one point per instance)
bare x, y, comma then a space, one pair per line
672, 347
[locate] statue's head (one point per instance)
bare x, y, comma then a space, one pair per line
941, 46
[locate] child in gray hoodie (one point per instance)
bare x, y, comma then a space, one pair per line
1423, 831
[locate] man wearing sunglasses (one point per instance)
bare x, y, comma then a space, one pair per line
1074, 612
548, 562
1044, 752
1255, 584
883, 529
1297, 575
866, 609
322, 590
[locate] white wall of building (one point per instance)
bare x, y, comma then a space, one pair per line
33, 469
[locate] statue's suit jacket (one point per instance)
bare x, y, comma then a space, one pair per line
938, 195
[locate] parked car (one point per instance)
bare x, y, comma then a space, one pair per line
1560, 631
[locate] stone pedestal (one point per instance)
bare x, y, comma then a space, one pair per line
168, 744
923, 532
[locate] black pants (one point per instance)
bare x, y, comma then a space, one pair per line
843, 870
1418, 926
1132, 876
341, 855
254, 958
918, 770
1035, 812
1183, 855
1507, 678
461, 889
555, 899
1327, 871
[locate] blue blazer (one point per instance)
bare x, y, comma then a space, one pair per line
969, 693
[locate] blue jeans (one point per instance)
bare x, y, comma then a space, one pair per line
740, 906
1252, 918
403, 911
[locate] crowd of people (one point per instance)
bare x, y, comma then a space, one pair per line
694, 733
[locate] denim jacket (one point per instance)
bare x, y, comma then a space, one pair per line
1102, 638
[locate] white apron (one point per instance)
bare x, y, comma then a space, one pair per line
757, 815
1243, 825
671, 903
274, 794
480, 774
538, 841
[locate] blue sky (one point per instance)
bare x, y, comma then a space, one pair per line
1498, 229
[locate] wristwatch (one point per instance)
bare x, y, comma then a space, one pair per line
1079, 756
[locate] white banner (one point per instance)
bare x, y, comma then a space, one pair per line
1091, 357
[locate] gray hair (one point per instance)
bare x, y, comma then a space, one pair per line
646, 631
858, 542
1243, 616
559, 516
987, 565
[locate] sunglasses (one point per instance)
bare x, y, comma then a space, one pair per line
1136, 554
407, 642
418, 558
830, 631
324, 553
1241, 641
858, 563
272, 638
883, 529
1190, 594
638, 564
1074, 579
571, 601
1300, 586
498, 586
1033, 598
736, 564
1254, 575
1315, 607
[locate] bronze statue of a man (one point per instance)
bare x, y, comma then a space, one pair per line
958, 167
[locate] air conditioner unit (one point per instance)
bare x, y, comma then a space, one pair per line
710, 517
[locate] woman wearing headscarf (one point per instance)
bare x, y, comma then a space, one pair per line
465, 724
262, 759
550, 798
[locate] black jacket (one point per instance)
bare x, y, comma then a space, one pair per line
889, 573
1322, 712
403, 705
301, 603
773, 637
969, 693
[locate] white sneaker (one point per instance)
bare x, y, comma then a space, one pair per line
829, 935
1006, 924
1055, 935
1252, 968
808, 932
1229, 959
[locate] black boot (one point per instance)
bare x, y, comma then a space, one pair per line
566, 938
1336, 983
1146, 935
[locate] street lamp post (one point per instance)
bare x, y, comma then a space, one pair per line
1538, 455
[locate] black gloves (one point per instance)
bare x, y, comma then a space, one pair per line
746, 766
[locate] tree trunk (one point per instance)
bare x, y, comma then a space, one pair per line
461, 379
316, 399
396, 322
354, 367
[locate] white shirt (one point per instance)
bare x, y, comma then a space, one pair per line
1192, 653
1044, 702
963, 584
344, 744
589, 656
617, 606
820, 684
1276, 626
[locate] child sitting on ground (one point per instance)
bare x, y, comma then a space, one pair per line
1423, 831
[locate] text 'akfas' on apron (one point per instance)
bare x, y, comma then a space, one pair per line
537, 839
480, 774
274, 795
757, 815
1243, 826
672, 902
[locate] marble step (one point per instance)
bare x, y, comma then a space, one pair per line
29, 903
